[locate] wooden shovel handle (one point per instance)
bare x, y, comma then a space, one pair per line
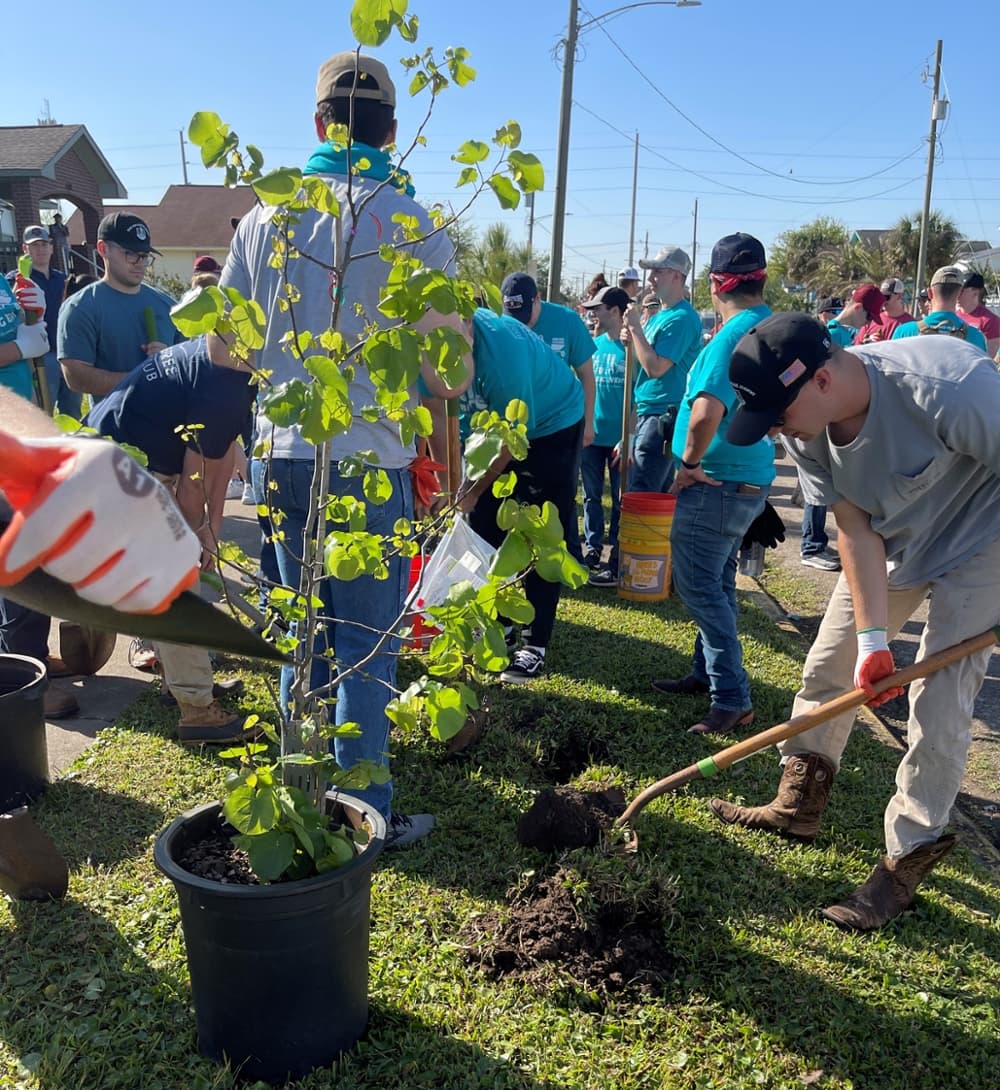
801, 723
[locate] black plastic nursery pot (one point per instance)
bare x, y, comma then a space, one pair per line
24, 759
279, 973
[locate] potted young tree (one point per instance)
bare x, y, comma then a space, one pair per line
289, 917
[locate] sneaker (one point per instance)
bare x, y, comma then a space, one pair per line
212, 724
603, 577
234, 490
248, 500
592, 559
142, 656
526, 664
405, 829
824, 561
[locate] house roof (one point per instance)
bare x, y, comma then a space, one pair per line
188, 217
871, 239
34, 151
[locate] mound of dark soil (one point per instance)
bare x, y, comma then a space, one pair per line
217, 858
618, 948
566, 817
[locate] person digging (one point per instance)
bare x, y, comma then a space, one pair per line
899, 438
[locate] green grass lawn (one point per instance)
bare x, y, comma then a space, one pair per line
95, 993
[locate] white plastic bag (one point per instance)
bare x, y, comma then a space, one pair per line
460, 556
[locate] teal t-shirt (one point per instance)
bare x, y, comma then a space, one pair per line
107, 328
511, 362
15, 376
840, 334
609, 384
674, 332
710, 375
948, 319
564, 331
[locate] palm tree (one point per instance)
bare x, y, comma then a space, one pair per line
490, 259
903, 244
797, 254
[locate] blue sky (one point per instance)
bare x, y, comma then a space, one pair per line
763, 112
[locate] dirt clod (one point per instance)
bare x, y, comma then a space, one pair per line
615, 946
566, 817
217, 858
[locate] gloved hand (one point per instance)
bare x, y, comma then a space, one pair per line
30, 297
91, 516
767, 529
425, 480
874, 663
32, 340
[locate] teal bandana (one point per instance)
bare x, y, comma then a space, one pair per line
332, 159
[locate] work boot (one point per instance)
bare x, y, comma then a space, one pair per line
59, 702
212, 723
890, 889
31, 868
795, 811
85, 650
231, 687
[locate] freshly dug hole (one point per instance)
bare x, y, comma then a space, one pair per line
597, 927
566, 817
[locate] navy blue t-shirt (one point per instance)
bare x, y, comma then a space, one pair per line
177, 386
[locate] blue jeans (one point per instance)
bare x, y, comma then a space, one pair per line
708, 527
64, 400
652, 470
592, 467
814, 535
23, 631
360, 610
268, 552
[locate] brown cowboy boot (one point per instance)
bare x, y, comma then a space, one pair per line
31, 868
890, 889
795, 811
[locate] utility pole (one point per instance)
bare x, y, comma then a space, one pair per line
635, 184
694, 250
529, 199
562, 159
184, 165
939, 110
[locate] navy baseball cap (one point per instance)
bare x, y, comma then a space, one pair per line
127, 231
519, 291
737, 254
769, 366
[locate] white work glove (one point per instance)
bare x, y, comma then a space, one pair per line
32, 340
29, 295
91, 516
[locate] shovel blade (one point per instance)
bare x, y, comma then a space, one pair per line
189, 620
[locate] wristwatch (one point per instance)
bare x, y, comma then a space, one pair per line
690, 465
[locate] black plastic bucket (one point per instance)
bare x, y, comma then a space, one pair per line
24, 758
279, 973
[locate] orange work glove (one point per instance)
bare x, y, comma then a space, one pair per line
874, 663
424, 478
91, 516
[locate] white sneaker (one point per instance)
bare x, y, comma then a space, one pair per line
234, 490
406, 829
248, 499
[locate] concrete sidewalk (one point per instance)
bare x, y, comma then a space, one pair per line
106, 695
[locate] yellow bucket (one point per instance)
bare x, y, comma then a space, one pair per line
644, 546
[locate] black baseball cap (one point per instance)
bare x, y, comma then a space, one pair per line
610, 297
973, 280
738, 253
519, 291
127, 231
769, 366
831, 303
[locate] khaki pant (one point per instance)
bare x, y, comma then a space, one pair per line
187, 671
963, 603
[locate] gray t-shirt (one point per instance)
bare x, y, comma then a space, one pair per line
926, 463
247, 269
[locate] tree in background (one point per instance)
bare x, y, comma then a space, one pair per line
798, 253
489, 259
776, 295
903, 244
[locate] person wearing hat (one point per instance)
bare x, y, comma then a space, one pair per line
37, 243
946, 284
608, 308
665, 347
721, 489
566, 333
353, 90
828, 311
972, 310
650, 306
894, 312
863, 313
900, 439
104, 327
628, 281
